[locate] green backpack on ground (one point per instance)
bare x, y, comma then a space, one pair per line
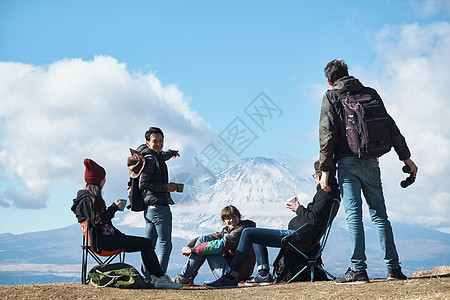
120, 275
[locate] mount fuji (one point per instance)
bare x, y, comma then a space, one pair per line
257, 180
258, 187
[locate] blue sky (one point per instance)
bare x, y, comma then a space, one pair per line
87, 78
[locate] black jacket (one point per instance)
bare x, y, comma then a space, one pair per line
154, 178
315, 215
81, 207
333, 142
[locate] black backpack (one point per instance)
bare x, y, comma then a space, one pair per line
366, 124
134, 193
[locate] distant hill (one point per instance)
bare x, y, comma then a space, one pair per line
55, 255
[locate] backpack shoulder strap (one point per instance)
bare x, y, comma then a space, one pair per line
155, 158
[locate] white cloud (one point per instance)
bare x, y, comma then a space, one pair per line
430, 8
412, 78
54, 116
43, 269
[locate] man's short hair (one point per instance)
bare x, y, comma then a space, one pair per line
152, 130
336, 69
229, 212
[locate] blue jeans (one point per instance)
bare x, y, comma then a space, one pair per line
158, 227
356, 175
217, 262
260, 238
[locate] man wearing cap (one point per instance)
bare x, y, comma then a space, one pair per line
156, 188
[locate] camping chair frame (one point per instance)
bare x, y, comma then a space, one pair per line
109, 256
313, 261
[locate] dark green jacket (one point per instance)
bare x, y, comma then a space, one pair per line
333, 142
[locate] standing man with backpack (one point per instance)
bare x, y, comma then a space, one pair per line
354, 131
155, 189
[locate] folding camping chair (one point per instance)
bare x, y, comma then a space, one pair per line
293, 242
105, 257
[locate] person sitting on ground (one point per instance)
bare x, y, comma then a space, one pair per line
89, 206
217, 248
315, 214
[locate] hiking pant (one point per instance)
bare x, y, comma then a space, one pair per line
135, 244
158, 228
217, 262
260, 239
356, 175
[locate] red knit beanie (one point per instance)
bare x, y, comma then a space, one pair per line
94, 173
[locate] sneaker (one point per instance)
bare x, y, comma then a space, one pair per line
260, 280
183, 281
165, 283
149, 285
353, 277
222, 283
396, 274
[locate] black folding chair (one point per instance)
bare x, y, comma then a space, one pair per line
294, 242
105, 257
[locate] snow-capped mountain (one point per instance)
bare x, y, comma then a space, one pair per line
258, 187
261, 180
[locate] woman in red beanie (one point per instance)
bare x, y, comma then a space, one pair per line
89, 206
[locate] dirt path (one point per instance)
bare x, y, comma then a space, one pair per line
434, 287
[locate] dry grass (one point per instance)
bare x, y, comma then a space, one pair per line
433, 284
